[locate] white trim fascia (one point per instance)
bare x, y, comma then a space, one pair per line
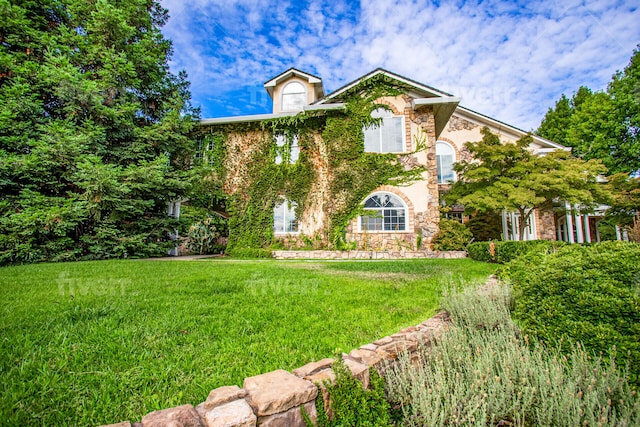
240, 119
260, 117
417, 102
292, 71
335, 106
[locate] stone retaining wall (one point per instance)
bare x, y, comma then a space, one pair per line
276, 398
318, 254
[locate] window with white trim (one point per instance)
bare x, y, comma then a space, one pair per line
445, 158
284, 218
289, 149
387, 136
294, 97
384, 212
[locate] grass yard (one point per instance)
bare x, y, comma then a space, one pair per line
100, 342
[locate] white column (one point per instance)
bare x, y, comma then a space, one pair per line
618, 233
515, 224
505, 234
579, 229
569, 216
587, 229
534, 225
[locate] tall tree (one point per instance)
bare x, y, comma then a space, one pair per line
93, 129
601, 125
510, 177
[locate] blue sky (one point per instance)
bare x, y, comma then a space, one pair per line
508, 60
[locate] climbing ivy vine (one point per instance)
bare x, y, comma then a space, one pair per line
331, 141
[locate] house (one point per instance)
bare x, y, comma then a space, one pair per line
361, 167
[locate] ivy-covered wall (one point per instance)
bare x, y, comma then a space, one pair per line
331, 177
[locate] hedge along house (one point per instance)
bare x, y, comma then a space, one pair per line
362, 167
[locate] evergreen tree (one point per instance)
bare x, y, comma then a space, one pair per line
93, 130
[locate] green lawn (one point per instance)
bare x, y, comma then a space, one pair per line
100, 342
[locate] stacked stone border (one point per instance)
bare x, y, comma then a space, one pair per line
277, 398
320, 254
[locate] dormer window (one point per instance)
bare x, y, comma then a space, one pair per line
294, 97
388, 136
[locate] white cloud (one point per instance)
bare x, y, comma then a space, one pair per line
509, 60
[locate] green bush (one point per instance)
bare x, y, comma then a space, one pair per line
202, 236
249, 253
480, 251
485, 226
510, 250
503, 252
483, 372
588, 294
351, 405
452, 236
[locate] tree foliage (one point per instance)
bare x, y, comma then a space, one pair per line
93, 129
510, 177
624, 209
601, 125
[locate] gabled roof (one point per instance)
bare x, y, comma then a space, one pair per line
427, 91
443, 104
505, 127
291, 72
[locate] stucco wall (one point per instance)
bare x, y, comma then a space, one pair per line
277, 92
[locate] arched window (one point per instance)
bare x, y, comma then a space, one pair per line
284, 218
445, 158
388, 136
294, 97
384, 212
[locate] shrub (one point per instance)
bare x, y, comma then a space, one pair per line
202, 236
503, 252
249, 253
351, 405
510, 250
482, 372
587, 294
480, 251
452, 236
485, 226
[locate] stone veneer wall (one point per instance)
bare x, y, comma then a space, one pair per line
320, 254
277, 398
545, 224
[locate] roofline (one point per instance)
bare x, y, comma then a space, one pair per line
261, 117
417, 102
514, 129
395, 76
273, 80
